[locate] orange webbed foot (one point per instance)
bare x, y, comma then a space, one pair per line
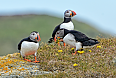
27, 60
74, 53
64, 44
36, 61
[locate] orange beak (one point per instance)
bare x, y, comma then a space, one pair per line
73, 13
38, 37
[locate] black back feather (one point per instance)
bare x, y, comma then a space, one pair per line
80, 37
55, 30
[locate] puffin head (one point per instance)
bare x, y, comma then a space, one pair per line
60, 33
34, 36
69, 13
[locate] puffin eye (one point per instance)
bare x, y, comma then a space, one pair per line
33, 34
67, 12
57, 33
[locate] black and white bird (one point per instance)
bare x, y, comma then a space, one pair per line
29, 45
76, 39
67, 24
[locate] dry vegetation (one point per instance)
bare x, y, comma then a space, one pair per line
96, 62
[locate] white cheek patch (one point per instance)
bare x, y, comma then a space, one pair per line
67, 14
32, 37
60, 33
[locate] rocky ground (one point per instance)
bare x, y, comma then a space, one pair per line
11, 66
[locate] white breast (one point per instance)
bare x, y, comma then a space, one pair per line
69, 39
68, 26
28, 48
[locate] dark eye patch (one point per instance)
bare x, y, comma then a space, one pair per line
67, 12
57, 33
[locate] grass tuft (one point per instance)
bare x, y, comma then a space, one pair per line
93, 62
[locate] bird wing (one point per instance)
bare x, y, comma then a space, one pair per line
80, 37
19, 45
55, 30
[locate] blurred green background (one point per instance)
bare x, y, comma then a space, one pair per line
14, 28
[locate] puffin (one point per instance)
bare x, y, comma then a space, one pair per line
67, 24
29, 46
76, 39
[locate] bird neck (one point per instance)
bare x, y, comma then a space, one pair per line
66, 20
65, 32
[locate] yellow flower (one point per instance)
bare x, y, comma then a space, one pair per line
80, 52
98, 46
72, 48
59, 50
75, 64
90, 51
56, 54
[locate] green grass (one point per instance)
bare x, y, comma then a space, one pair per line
15, 28
95, 64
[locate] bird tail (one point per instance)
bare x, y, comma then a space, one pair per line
90, 42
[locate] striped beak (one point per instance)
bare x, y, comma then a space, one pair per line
38, 37
73, 13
